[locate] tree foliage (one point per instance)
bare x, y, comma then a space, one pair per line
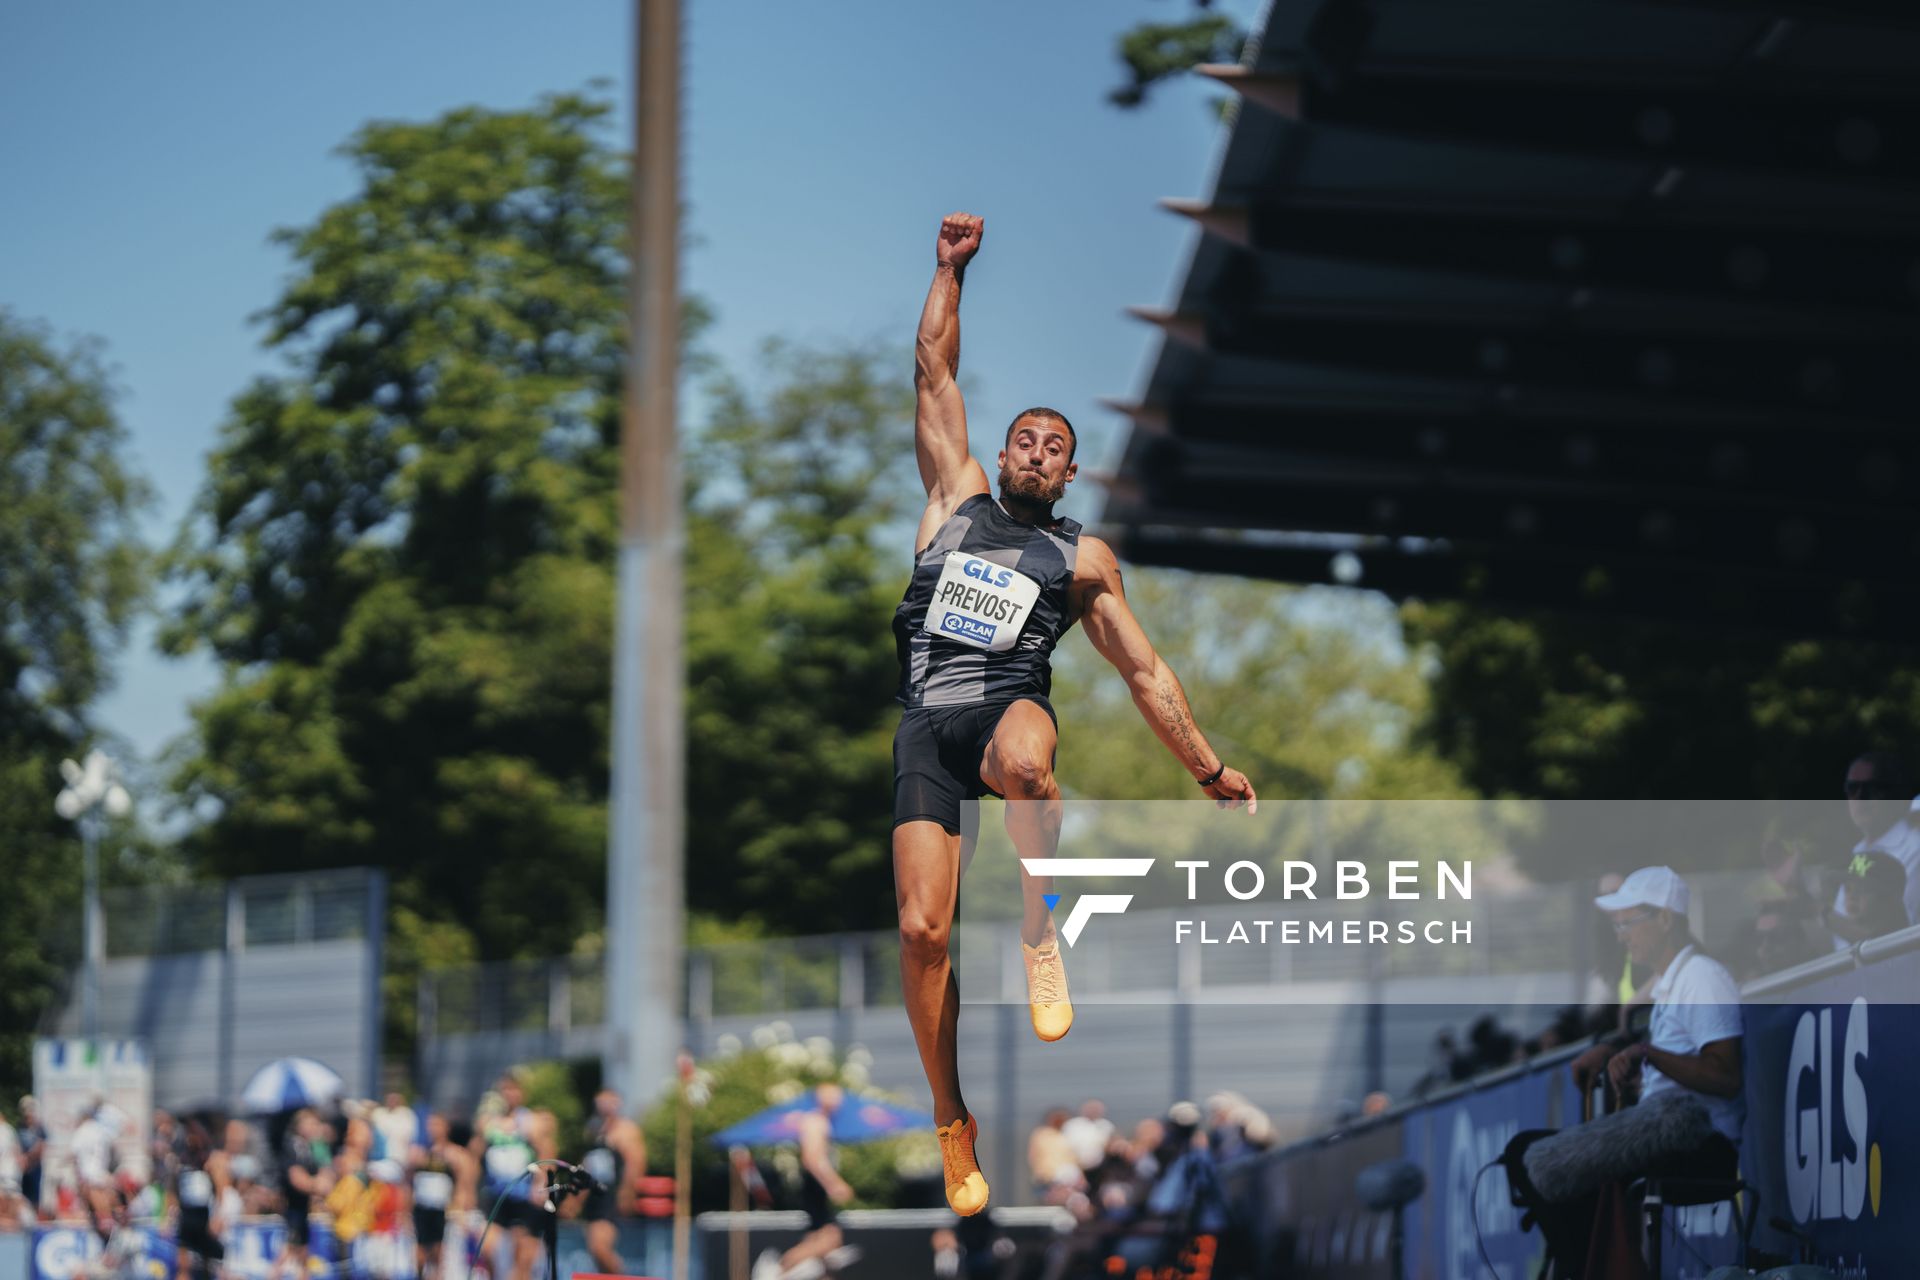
70, 580
1157, 51
404, 558
1311, 693
1607, 709
402, 555
800, 493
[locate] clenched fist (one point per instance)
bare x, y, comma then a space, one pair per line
959, 239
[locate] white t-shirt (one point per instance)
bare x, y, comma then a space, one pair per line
1902, 841
92, 1153
399, 1129
1695, 1002
9, 1157
1088, 1138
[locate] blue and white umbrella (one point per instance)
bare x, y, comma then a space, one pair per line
291, 1082
859, 1119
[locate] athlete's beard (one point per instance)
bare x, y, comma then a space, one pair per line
1031, 486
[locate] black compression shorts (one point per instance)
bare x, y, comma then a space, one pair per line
936, 758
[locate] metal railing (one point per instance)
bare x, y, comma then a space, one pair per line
252, 911
1540, 930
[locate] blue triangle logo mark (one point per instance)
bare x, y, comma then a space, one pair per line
1052, 899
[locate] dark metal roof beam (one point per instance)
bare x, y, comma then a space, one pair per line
1882, 273
1778, 469
1492, 509
1676, 595
1869, 379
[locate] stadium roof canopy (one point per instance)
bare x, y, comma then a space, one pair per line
1574, 306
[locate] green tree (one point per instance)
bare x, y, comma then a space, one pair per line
404, 558
797, 553
403, 552
1613, 709
1157, 51
70, 579
1311, 693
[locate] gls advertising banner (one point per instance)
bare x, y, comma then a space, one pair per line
1833, 1119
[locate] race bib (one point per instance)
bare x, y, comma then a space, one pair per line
506, 1161
980, 603
196, 1189
432, 1190
599, 1165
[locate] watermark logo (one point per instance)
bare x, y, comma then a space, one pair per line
1091, 904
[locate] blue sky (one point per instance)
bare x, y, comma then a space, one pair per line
146, 151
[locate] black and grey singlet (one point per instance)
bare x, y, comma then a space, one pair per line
988, 601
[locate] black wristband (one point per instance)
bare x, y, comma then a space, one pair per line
1213, 777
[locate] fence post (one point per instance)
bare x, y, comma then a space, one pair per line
236, 942
700, 999
426, 1032
853, 987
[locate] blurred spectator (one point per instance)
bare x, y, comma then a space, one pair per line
1788, 927
616, 1159
165, 1145
1610, 959
1088, 1133
11, 1167
1488, 1048
1235, 1127
92, 1150
443, 1182
223, 1171
198, 1250
509, 1137
1692, 1050
33, 1150
1871, 901
305, 1172
396, 1129
1050, 1159
1879, 789
1440, 1058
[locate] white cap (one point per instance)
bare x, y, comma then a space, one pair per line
1659, 887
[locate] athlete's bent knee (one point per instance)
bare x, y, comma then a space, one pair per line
1028, 777
921, 935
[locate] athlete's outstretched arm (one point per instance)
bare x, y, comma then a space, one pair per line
947, 468
1117, 634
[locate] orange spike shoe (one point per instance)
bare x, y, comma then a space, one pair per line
1047, 999
966, 1185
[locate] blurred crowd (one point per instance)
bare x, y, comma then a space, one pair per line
388, 1179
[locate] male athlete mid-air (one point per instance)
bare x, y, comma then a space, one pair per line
995, 585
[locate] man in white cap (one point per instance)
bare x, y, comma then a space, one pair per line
1693, 1042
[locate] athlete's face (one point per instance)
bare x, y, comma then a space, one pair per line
1036, 464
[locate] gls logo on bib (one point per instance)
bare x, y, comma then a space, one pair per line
980, 603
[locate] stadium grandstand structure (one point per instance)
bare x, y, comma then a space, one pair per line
1600, 308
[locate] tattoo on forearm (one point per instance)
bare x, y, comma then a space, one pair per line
1179, 722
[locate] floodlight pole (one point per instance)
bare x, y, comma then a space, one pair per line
92, 788
645, 877
90, 929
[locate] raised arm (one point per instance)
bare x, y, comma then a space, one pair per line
816, 1154
1117, 634
947, 468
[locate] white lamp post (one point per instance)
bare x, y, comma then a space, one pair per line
91, 787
